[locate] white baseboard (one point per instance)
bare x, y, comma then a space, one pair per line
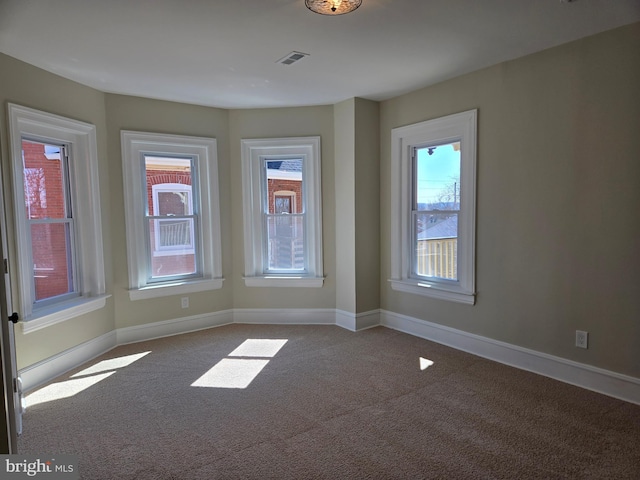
52, 367
150, 331
46, 370
357, 321
599, 380
285, 316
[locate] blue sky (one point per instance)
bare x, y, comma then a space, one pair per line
437, 171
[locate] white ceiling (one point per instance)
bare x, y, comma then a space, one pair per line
224, 53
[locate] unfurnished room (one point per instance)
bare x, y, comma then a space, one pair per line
320, 239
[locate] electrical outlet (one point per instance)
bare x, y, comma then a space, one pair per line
185, 302
582, 339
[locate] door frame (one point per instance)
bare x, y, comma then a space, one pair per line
11, 422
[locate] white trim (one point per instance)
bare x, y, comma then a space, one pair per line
457, 127
599, 380
50, 368
254, 151
204, 152
581, 375
64, 311
27, 122
167, 328
357, 321
285, 316
432, 290
282, 281
178, 288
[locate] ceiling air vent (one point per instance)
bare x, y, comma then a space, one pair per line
292, 57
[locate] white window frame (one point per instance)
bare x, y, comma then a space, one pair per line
254, 152
27, 123
135, 145
458, 127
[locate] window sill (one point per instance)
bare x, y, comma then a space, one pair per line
63, 311
284, 281
176, 288
433, 291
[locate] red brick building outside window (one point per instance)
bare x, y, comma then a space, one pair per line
172, 241
48, 211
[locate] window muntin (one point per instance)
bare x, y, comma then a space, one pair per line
172, 214
433, 235
435, 211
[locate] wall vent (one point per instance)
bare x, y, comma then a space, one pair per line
292, 57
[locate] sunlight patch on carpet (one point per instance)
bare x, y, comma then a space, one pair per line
259, 347
66, 389
111, 364
425, 363
231, 373
240, 372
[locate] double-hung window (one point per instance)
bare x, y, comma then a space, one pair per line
57, 215
172, 214
51, 221
433, 179
282, 212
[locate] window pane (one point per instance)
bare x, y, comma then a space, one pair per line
285, 236
169, 194
436, 188
52, 267
436, 246
171, 172
437, 177
178, 258
43, 180
284, 186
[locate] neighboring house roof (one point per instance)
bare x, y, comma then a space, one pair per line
285, 169
440, 228
294, 165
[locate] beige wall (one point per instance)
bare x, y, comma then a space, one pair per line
280, 123
558, 197
357, 181
31, 87
367, 197
138, 114
345, 179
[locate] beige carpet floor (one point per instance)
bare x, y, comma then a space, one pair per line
328, 404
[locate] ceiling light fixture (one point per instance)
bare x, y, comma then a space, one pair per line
332, 7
